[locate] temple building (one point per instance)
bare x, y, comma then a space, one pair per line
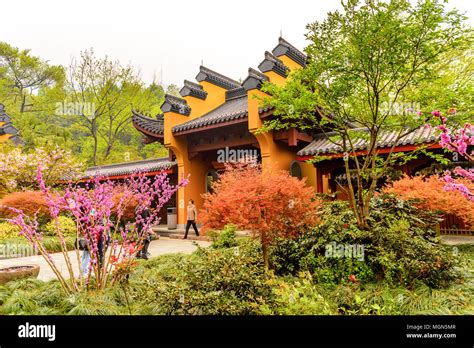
217, 115
7, 131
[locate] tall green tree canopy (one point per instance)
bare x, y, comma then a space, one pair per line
370, 69
85, 107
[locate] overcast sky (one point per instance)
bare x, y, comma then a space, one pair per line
170, 36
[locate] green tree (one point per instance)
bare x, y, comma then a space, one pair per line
173, 90
102, 94
363, 62
27, 78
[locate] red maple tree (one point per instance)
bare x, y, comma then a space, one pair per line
270, 204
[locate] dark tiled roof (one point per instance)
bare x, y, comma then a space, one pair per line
231, 110
213, 77
145, 166
3, 115
272, 63
8, 128
16, 140
285, 48
148, 125
265, 109
322, 145
193, 89
254, 80
175, 104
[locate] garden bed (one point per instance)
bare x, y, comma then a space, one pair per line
222, 281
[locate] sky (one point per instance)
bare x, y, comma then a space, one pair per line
165, 40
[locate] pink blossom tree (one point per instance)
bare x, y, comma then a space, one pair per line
458, 141
94, 207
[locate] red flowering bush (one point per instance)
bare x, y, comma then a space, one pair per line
97, 218
431, 194
271, 204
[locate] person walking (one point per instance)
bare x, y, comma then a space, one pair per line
192, 217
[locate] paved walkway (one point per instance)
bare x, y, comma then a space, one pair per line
157, 247
457, 240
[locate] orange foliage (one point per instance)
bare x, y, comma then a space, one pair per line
29, 202
432, 195
272, 204
130, 203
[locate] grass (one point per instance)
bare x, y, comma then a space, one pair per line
155, 285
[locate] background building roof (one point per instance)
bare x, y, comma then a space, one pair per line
127, 168
323, 145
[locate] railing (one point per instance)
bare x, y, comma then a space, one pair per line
452, 225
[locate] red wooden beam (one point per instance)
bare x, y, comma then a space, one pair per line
292, 136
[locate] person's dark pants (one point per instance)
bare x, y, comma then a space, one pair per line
143, 253
188, 225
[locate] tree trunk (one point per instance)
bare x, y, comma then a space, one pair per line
96, 144
263, 240
266, 262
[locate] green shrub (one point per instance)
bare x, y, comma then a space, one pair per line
401, 246
297, 296
210, 281
66, 225
225, 238
224, 281
7, 230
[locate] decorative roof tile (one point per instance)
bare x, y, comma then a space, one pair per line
175, 104
213, 77
323, 145
272, 63
255, 79
127, 168
285, 48
193, 89
234, 109
148, 125
238, 92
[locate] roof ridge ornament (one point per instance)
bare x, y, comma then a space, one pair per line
211, 76
254, 80
273, 63
175, 104
193, 89
287, 49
